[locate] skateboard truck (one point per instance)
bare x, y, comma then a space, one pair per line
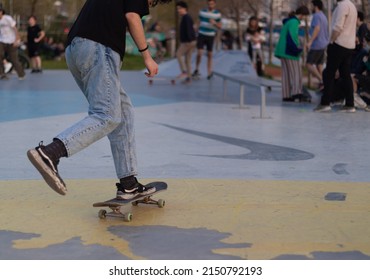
149, 200
116, 213
127, 217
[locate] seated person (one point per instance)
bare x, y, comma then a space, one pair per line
361, 79
360, 72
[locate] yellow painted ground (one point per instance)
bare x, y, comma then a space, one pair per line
275, 217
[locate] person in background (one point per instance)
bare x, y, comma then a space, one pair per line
288, 50
361, 81
210, 22
187, 41
339, 52
357, 64
318, 41
255, 38
34, 37
227, 40
9, 42
158, 41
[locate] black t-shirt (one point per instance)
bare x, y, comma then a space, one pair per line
104, 21
187, 33
33, 32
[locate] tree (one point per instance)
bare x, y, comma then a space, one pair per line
271, 29
364, 6
234, 8
33, 6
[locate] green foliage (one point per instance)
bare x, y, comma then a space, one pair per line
131, 62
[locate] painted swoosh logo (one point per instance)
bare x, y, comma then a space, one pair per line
258, 151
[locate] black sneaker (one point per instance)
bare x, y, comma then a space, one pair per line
137, 191
47, 168
186, 81
288, 99
196, 74
210, 76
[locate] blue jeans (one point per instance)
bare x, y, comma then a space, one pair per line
96, 68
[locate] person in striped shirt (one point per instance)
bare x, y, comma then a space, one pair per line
210, 22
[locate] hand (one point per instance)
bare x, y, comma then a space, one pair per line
308, 45
365, 59
17, 43
151, 66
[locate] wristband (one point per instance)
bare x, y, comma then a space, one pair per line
143, 50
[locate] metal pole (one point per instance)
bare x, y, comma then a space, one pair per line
263, 102
225, 87
241, 105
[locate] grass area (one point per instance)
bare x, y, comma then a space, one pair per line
131, 62
54, 64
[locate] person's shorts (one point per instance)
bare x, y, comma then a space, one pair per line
205, 41
33, 50
316, 57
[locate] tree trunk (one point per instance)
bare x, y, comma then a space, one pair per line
33, 7
271, 29
238, 29
364, 4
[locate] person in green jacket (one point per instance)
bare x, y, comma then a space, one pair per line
288, 51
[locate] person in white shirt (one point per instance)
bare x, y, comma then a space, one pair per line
9, 40
341, 46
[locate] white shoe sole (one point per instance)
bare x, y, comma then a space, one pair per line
138, 195
50, 177
323, 110
359, 102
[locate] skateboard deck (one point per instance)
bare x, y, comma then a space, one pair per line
116, 204
163, 79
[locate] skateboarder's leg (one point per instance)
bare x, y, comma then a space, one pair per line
122, 140
98, 79
123, 146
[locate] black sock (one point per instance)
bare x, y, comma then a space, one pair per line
55, 150
128, 182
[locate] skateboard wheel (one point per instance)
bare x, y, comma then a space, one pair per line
173, 82
161, 203
102, 214
150, 82
135, 203
127, 217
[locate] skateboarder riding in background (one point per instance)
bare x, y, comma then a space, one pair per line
94, 53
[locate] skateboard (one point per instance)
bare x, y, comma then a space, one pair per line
163, 79
116, 204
